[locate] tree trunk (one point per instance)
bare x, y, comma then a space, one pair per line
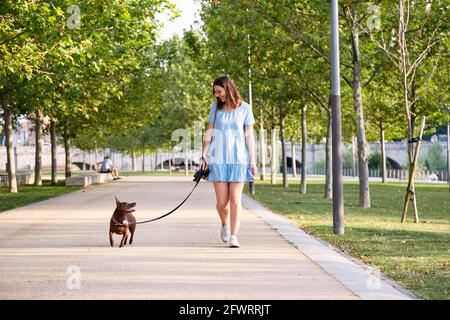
53, 150
328, 162
413, 114
304, 145
353, 157
10, 165
67, 151
262, 151
273, 175
364, 194
143, 159
383, 154
410, 193
96, 155
186, 160
38, 150
294, 160
133, 161
448, 155
283, 150
172, 159
262, 148
410, 190
150, 162
403, 67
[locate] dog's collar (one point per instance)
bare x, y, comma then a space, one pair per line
118, 223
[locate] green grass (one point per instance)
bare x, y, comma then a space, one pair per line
29, 194
415, 255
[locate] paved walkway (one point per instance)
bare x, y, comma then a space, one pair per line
59, 249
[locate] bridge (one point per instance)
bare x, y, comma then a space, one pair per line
396, 153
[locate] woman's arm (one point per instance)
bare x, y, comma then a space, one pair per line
250, 140
207, 143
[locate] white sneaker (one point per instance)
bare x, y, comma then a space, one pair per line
225, 233
234, 243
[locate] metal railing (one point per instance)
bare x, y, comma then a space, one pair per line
398, 174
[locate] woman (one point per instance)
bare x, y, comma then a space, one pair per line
229, 142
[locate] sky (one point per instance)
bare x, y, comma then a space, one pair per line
189, 12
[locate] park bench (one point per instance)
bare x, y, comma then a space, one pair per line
23, 178
88, 179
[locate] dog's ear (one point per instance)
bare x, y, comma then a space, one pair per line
118, 204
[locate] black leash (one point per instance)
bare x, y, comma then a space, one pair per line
200, 174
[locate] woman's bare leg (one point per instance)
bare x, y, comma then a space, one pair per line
222, 200
235, 195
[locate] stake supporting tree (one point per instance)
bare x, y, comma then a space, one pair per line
410, 190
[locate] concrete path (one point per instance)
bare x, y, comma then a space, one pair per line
59, 249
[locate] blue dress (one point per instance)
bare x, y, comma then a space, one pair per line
229, 155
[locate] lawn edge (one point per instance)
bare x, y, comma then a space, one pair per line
41, 201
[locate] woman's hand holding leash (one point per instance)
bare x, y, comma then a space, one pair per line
202, 172
253, 168
203, 163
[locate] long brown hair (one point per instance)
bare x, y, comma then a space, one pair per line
233, 98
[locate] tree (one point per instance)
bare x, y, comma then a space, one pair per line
414, 48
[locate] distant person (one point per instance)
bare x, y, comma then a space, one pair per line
432, 177
107, 167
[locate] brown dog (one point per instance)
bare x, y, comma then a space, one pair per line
123, 216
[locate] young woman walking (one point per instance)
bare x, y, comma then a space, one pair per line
228, 152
